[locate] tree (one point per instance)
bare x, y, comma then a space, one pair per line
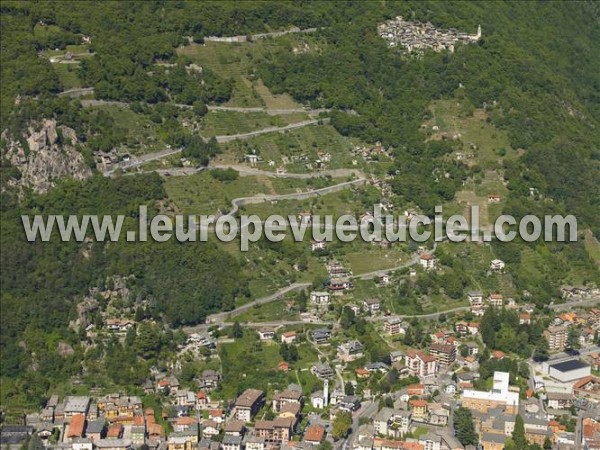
573, 338
289, 353
130, 337
348, 388
347, 317
325, 445
200, 108
464, 427
519, 433
547, 443
464, 350
542, 351
35, 443
147, 341
236, 330
188, 372
341, 425
301, 301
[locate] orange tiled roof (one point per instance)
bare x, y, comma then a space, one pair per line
185, 421
76, 426
314, 433
418, 403
138, 420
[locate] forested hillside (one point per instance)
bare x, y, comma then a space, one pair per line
534, 69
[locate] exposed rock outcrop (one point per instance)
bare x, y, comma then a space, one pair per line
48, 155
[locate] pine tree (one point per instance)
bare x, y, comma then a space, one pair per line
464, 427
519, 433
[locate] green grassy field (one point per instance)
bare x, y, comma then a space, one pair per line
592, 246
478, 137
67, 74
336, 204
273, 101
277, 310
250, 363
245, 94
221, 123
296, 148
141, 134
230, 61
202, 194
42, 31
238, 62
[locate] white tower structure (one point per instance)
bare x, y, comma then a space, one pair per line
326, 393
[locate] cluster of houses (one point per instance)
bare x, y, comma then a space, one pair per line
118, 422
479, 304
371, 153
339, 279
111, 422
320, 301
584, 324
418, 37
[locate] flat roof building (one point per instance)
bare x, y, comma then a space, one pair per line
571, 370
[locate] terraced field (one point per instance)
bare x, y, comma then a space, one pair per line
481, 142
224, 123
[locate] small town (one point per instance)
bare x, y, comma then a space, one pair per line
422, 395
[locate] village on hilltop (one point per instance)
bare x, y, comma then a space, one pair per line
417, 37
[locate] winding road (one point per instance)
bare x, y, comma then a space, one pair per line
236, 203
220, 317
137, 161
253, 37
291, 126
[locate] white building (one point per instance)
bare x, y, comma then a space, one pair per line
320, 299
427, 261
497, 264
568, 371
499, 396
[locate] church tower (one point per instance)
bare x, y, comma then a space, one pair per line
325, 393
478, 35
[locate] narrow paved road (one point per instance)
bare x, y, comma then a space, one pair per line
137, 161
370, 275
581, 302
250, 171
277, 111
236, 203
91, 103
221, 317
87, 103
79, 92
291, 126
368, 410
253, 37
435, 315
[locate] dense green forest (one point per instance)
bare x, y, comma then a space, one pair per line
535, 70
42, 282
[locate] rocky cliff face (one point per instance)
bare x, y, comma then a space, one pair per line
50, 155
